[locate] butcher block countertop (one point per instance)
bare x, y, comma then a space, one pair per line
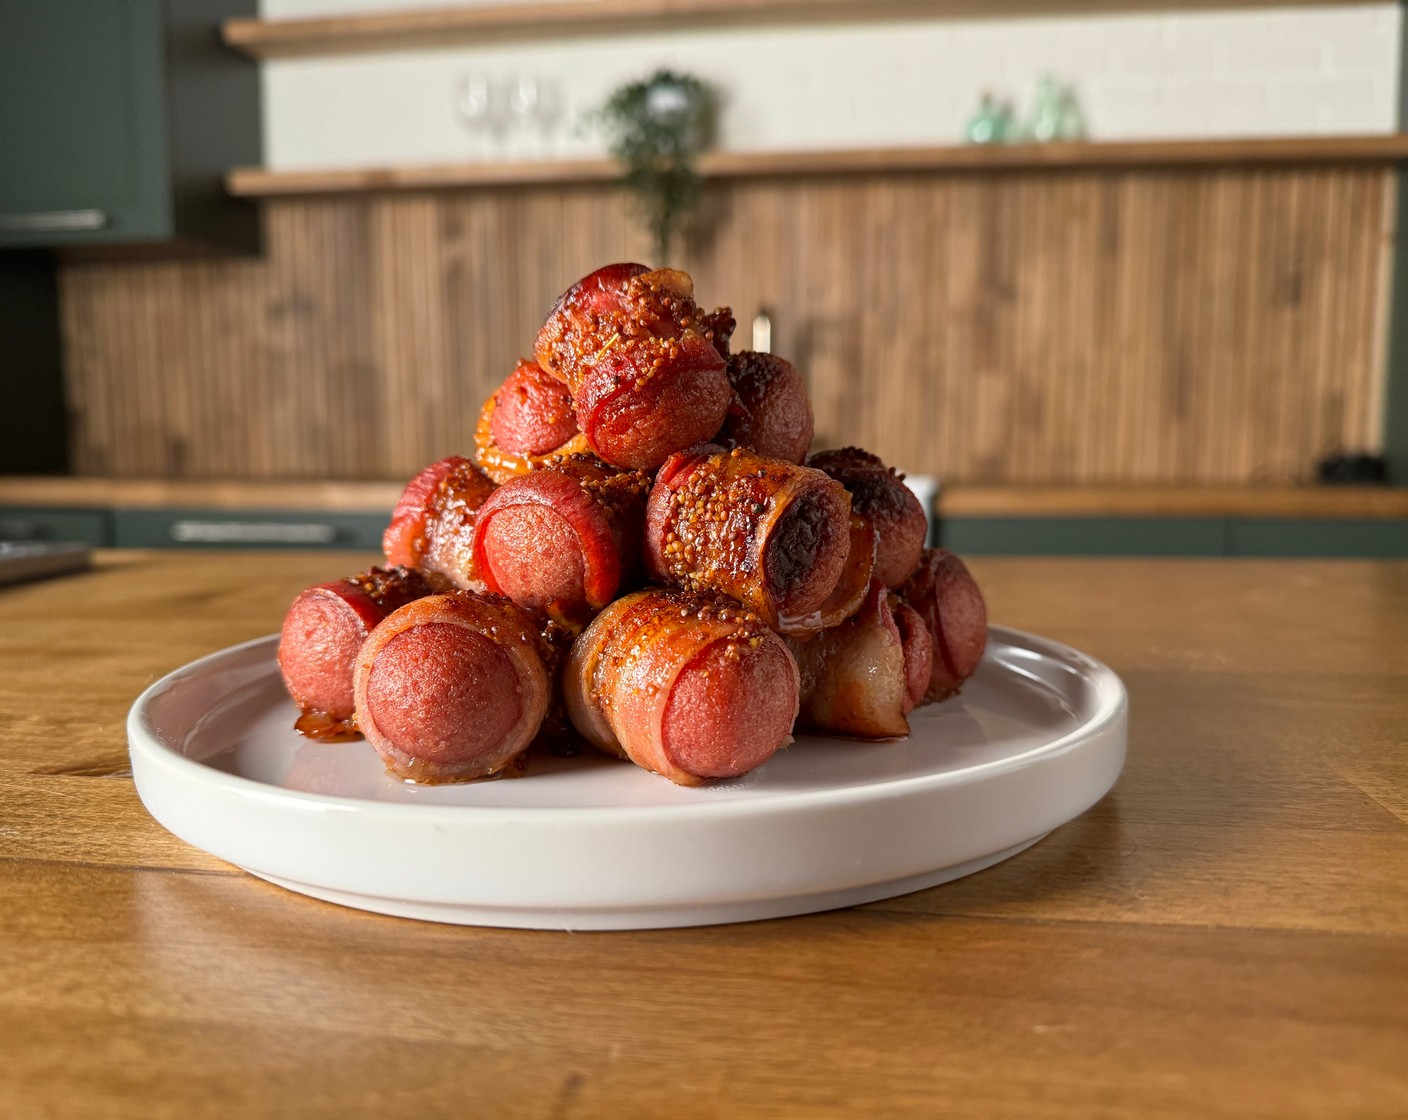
1224, 935
957, 499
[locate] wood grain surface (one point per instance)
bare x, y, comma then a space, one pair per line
260, 182
954, 500
1225, 935
1141, 326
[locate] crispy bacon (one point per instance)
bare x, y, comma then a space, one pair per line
689, 685
946, 597
639, 359
719, 327
861, 678
432, 527
770, 412
777, 537
879, 495
563, 539
454, 686
324, 628
527, 423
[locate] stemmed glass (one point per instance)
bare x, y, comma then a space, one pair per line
480, 108
497, 109
537, 103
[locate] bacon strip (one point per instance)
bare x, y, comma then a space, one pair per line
432, 527
879, 495
863, 677
563, 539
946, 597
526, 424
720, 324
770, 412
321, 634
639, 358
688, 685
453, 686
775, 536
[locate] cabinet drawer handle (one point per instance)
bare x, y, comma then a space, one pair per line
53, 221
252, 532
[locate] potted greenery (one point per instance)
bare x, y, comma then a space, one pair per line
657, 128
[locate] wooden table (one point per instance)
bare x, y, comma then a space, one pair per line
1226, 934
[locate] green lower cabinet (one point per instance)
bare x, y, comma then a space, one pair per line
205, 528
1330, 537
86, 526
1084, 536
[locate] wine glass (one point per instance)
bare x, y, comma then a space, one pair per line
523, 96
474, 103
549, 108
483, 108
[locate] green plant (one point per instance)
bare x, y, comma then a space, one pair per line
657, 128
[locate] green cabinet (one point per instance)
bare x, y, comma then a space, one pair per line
1084, 536
36, 523
118, 121
210, 528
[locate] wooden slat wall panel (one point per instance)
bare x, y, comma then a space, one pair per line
1196, 325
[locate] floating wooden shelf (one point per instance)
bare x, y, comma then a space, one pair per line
257, 182
957, 500
446, 26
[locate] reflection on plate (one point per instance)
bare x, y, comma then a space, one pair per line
590, 842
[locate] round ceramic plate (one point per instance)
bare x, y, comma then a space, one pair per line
591, 842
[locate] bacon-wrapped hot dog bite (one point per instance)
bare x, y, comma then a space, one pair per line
689, 685
432, 527
946, 597
639, 358
864, 677
323, 631
454, 686
777, 537
526, 423
720, 324
771, 412
879, 495
563, 539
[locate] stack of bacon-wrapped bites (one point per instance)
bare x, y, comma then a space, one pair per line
641, 555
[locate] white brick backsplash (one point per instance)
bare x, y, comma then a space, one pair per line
1147, 48
1225, 106
1336, 104
1253, 72
1265, 51
1371, 49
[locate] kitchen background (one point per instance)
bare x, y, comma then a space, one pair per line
1200, 296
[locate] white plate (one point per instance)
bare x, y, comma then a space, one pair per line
1036, 738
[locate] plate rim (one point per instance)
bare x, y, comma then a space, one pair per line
1112, 707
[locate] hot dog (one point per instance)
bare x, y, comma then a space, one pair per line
946, 597
639, 359
323, 631
454, 686
563, 539
777, 537
689, 685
